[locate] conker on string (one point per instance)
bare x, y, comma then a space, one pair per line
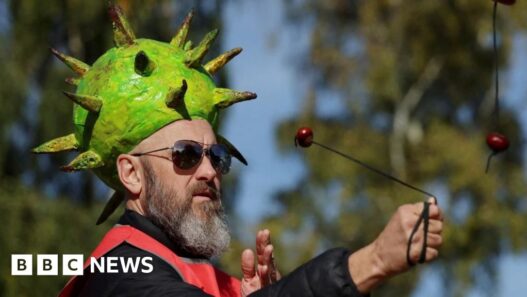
506, 2
304, 137
497, 142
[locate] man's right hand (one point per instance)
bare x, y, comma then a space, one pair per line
386, 256
265, 272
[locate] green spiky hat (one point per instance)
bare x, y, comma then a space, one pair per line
135, 89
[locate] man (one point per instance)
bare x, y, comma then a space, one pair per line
182, 209
145, 118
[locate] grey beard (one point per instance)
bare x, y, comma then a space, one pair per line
204, 234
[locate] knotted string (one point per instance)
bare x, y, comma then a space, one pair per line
424, 217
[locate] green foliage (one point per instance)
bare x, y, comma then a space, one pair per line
32, 224
415, 80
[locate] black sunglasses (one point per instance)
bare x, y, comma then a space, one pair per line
188, 153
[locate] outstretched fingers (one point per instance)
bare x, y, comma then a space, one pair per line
258, 269
263, 239
266, 266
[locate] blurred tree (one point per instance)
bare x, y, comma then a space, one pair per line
414, 82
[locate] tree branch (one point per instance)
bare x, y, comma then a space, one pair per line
403, 110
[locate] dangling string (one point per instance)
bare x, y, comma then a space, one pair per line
423, 217
496, 80
491, 155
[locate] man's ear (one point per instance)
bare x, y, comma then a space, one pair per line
130, 169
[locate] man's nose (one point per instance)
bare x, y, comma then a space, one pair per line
205, 170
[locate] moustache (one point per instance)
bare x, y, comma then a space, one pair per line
206, 188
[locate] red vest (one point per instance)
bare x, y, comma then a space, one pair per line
202, 275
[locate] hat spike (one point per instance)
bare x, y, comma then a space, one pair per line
72, 81
232, 149
175, 96
122, 32
86, 160
224, 98
188, 45
110, 206
61, 144
195, 56
220, 61
181, 34
90, 103
77, 66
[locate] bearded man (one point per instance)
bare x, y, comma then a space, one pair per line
173, 181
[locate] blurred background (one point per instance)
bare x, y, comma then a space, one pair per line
407, 86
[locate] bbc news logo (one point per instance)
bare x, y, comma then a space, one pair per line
73, 264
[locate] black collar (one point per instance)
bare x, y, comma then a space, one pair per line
143, 224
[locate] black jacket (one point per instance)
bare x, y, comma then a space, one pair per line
325, 275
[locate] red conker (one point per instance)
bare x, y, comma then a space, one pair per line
497, 142
506, 2
304, 137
